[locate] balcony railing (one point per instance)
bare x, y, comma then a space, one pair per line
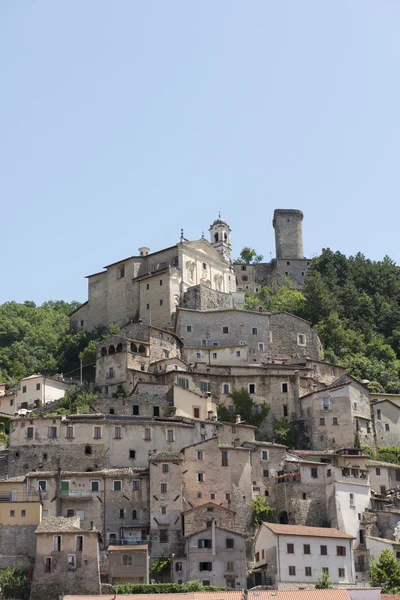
288, 478
128, 542
78, 495
9, 496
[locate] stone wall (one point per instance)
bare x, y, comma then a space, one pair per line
197, 519
17, 546
200, 297
288, 225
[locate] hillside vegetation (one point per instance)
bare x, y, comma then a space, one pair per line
354, 303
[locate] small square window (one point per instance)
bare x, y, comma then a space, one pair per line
254, 331
387, 427
261, 346
136, 485
265, 473
301, 339
163, 510
264, 454
204, 266
335, 421
252, 388
341, 573
225, 330
290, 548
196, 413
156, 411
38, 386
322, 421
378, 470
121, 513
24, 389
165, 468
135, 410
163, 488
200, 477
200, 455
314, 472
292, 571
214, 355
237, 353
117, 485
229, 543
306, 549
134, 515
324, 550
307, 571
12, 513
95, 485
188, 328
132, 453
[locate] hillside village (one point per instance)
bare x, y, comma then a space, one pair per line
164, 479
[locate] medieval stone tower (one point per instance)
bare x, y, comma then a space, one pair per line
288, 225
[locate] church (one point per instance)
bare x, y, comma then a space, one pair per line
149, 287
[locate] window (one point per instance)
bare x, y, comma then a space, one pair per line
265, 473
254, 331
79, 543
225, 330
378, 471
160, 281
135, 410
88, 449
199, 455
206, 543
383, 491
224, 458
37, 386
314, 472
127, 560
378, 414
52, 432
198, 355
117, 433
147, 306
29, 433
156, 411
42, 485
47, 565
285, 410
228, 497
387, 427
163, 488
170, 435
301, 339
325, 404
306, 549
307, 571
121, 513
244, 268
23, 513
117, 485
110, 374
12, 513
136, 485
341, 572
261, 346
284, 387
178, 567
325, 569
183, 383
204, 265
199, 495
324, 550
205, 386
122, 272
57, 543
188, 328
132, 453
229, 565
95, 485
292, 571
147, 434
328, 472
196, 412
290, 548
161, 302
322, 421
340, 550
252, 388
24, 389
335, 421
264, 454
205, 566
112, 411
200, 477
165, 468
164, 536
351, 499
304, 496
214, 355
97, 433
229, 543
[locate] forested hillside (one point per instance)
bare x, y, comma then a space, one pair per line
37, 339
354, 303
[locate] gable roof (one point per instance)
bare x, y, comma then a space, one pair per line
327, 532
208, 505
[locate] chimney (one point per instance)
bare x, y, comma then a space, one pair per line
143, 251
238, 419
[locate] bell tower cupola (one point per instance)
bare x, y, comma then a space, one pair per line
220, 239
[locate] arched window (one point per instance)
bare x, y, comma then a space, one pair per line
111, 349
104, 351
133, 347
215, 237
88, 449
225, 236
142, 349
119, 347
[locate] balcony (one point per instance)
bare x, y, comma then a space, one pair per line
288, 478
128, 542
355, 473
76, 495
9, 496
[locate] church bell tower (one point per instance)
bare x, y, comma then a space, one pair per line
220, 239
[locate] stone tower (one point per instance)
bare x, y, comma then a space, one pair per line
288, 225
220, 238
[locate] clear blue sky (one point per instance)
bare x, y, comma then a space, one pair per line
122, 122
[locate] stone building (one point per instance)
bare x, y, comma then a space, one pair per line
128, 564
149, 286
386, 415
289, 267
67, 559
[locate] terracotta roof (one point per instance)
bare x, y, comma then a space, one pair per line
381, 463
328, 532
124, 548
61, 525
189, 596
331, 594
389, 597
383, 540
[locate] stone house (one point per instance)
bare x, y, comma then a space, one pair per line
200, 518
386, 415
375, 545
67, 559
35, 391
266, 335
215, 556
149, 286
294, 556
338, 416
128, 564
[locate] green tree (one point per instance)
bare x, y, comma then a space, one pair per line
323, 582
251, 413
385, 573
248, 256
289, 433
261, 512
14, 583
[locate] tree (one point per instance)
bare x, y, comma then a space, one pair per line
385, 573
289, 433
324, 582
14, 583
261, 512
243, 404
249, 256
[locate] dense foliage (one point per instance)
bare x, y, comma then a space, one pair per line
251, 413
354, 303
37, 339
262, 512
14, 583
385, 573
165, 588
248, 256
324, 581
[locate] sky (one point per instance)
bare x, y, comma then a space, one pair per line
123, 122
